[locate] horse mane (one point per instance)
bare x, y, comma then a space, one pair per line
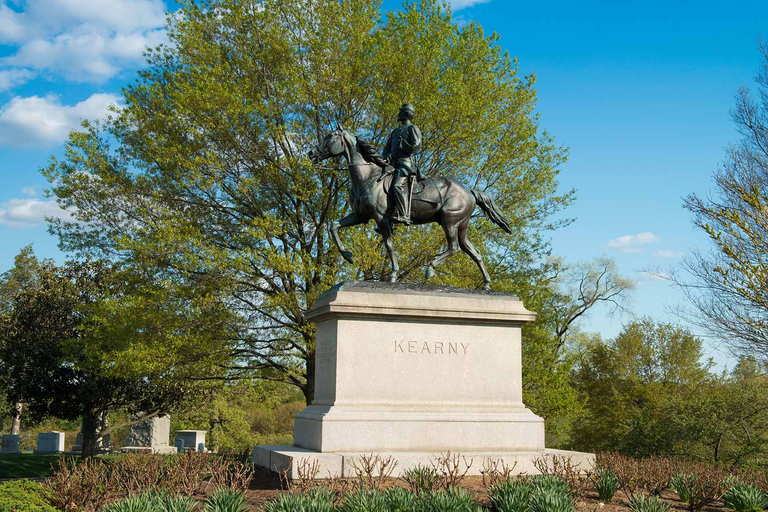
369, 152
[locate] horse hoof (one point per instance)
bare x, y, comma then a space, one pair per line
430, 272
347, 256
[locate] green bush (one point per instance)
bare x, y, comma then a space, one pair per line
454, 499
365, 501
643, 503
606, 484
511, 496
421, 479
300, 502
683, 485
745, 498
401, 500
553, 482
153, 501
226, 500
23, 496
551, 497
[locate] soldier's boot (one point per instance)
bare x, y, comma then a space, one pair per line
401, 198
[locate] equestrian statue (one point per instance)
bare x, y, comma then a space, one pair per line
383, 189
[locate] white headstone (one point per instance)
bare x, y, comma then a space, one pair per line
10, 443
50, 442
179, 445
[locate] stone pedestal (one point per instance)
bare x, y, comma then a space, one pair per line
411, 372
192, 439
10, 443
151, 436
50, 442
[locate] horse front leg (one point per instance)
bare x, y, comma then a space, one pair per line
350, 220
385, 228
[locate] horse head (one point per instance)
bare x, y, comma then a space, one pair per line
334, 144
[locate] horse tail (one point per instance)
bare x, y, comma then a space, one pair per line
485, 202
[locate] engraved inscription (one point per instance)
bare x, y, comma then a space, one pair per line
431, 347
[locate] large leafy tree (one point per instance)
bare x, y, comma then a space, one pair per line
65, 354
202, 174
728, 286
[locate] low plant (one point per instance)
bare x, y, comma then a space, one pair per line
365, 500
547, 482
699, 485
372, 470
606, 484
225, 499
421, 479
401, 499
23, 496
562, 467
300, 502
495, 471
455, 499
683, 486
77, 485
745, 498
511, 496
452, 468
551, 498
153, 501
642, 503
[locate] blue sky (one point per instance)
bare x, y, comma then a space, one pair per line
639, 91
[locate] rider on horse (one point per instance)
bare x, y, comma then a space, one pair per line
404, 141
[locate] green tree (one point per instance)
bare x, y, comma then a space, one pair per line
64, 357
631, 385
727, 286
202, 175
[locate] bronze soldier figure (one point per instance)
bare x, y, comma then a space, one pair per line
404, 141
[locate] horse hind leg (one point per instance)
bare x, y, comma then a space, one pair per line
451, 235
473, 253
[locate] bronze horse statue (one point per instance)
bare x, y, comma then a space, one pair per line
441, 200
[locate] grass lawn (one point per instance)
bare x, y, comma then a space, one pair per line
26, 465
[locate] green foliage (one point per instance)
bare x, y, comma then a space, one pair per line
552, 498
224, 198
745, 498
27, 465
421, 479
363, 500
511, 496
226, 500
551, 482
23, 496
683, 485
401, 500
606, 484
456, 499
300, 502
643, 503
153, 501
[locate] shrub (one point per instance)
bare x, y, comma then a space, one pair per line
745, 498
421, 479
511, 496
304, 503
77, 485
606, 484
455, 499
401, 500
552, 498
699, 485
364, 500
547, 482
642, 503
224, 499
23, 496
153, 501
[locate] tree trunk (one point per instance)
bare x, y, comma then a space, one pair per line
91, 418
16, 419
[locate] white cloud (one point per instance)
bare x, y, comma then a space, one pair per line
457, 5
45, 122
668, 254
10, 78
29, 191
632, 243
28, 213
83, 40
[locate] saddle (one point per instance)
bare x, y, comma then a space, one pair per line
426, 190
